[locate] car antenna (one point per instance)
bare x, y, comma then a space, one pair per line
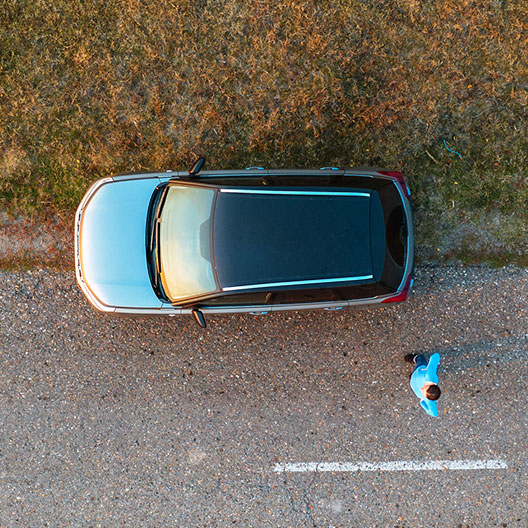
197, 167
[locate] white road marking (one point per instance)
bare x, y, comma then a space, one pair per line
397, 465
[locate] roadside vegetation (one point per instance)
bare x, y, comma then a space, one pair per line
92, 88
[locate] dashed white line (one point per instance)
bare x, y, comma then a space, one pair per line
397, 465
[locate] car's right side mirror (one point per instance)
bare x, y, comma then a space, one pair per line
197, 167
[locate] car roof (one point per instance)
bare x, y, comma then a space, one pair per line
296, 237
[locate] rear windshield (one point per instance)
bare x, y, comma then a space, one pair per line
396, 235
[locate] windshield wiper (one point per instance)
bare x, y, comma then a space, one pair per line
152, 240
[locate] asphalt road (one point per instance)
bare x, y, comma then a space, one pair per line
156, 422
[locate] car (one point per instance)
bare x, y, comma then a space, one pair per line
255, 240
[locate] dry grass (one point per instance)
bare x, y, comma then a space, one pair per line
90, 88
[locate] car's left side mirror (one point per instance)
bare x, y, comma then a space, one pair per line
199, 317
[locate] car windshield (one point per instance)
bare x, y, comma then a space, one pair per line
185, 240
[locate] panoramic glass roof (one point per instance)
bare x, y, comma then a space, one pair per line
284, 237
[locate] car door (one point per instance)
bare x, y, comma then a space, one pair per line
247, 302
308, 299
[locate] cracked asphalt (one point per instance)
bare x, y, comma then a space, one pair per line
110, 422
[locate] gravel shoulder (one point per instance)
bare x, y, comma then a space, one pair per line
155, 422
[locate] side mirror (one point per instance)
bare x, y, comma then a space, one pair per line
197, 167
199, 317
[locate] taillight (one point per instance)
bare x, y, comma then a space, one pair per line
403, 294
398, 176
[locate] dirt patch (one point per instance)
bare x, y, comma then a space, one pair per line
471, 238
40, 242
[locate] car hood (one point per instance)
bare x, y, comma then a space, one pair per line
112, 249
